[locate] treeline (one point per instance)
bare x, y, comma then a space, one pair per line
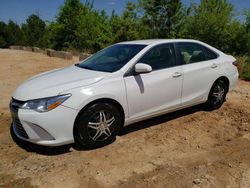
79, 27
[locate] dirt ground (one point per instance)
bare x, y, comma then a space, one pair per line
188, 148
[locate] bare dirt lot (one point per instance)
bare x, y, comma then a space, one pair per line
188, 148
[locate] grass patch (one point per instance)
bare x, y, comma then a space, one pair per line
246, 72
244, 67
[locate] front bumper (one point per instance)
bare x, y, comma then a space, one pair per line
51, 128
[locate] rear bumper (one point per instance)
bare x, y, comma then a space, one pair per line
233, 80
51, 128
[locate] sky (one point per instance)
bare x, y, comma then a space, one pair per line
19, 10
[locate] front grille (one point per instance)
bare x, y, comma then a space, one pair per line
14, 106
19, 128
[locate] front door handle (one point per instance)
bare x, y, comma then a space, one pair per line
176, 74
214, 66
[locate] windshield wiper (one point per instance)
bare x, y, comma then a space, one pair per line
84, 67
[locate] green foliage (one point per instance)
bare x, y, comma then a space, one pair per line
3, 35
246, 72
33, 30
242, 60
47, 40
209, 22
244, 67
67, 25
162, 16
238, 39
79, 27
15, 34
10, 34
127, 26
247, 14
94, 31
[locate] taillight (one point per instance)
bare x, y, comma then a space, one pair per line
235, 63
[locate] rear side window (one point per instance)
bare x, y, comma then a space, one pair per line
193, 53
160, 57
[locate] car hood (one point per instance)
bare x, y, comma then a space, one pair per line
56, 81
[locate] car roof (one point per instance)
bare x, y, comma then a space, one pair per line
157, 41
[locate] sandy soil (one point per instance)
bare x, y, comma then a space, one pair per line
188, 148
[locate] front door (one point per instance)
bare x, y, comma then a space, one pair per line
157, 91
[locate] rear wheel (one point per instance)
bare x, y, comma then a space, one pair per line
217, 95
98, 125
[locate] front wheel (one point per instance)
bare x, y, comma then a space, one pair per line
217, 95
98, 125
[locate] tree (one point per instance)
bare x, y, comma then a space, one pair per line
33, 29
127, 26
238, 39
102, 30
161, 16
209, 22
48, 38
247, 25
80, 27
15, 34
3, 35
93, 31
10, 34
247, 22
67, 24
115, 24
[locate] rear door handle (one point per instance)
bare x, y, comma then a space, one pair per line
176, 74
214, 66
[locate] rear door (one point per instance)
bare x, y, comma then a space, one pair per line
200, 69
159, 90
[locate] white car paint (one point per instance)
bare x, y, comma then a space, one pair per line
141, 97
148, 94
57, 81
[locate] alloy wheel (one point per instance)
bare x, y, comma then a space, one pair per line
218, 94
101, 125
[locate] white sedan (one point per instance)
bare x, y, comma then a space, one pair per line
91, 101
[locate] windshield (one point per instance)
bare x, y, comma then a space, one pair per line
112, 58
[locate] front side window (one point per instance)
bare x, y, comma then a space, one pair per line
193, 53
112, 58
160, 57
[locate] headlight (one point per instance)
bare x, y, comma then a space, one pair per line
45, 104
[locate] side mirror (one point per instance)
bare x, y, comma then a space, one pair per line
142, 68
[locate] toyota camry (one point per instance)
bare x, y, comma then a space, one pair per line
89, 102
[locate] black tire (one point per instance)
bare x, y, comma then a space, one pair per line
214, 102
85, 131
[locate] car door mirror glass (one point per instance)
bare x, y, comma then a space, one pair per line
142, 68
